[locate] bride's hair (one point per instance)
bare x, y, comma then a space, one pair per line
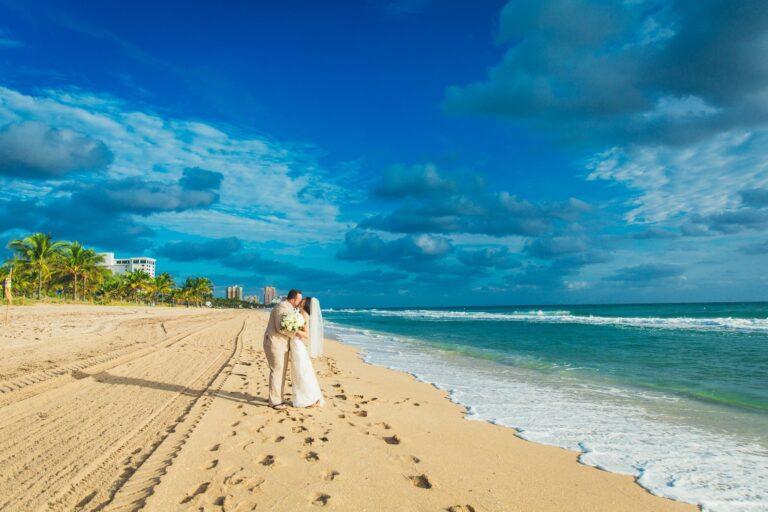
308, 305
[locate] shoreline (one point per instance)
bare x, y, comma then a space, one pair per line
583, 388
467, 415
164, 409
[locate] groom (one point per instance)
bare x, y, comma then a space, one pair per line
276, 346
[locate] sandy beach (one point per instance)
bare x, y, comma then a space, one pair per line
130, 408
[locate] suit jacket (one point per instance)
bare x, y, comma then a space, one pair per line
273, 332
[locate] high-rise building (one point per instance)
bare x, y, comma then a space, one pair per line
123, 265
235, 292
270, 295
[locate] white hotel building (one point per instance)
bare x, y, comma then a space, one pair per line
123, 265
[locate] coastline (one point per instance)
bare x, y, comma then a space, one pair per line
383, 440
626, 399
392, 439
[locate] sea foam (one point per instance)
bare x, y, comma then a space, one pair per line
565, 317
615, 429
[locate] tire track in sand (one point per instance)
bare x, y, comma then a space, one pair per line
132, 493
33, 383
73, 446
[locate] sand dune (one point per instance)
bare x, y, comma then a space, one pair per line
163, 409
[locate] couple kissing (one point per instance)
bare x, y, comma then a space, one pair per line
292, 323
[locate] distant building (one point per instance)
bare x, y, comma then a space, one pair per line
253, 299
270, 295
235, 292
123, 265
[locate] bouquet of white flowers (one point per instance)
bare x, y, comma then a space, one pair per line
292, 321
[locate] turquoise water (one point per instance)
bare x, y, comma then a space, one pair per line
725, 361
695, 374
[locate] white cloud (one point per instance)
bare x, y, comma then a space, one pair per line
673, 107
276, 187
670, 182
267, 228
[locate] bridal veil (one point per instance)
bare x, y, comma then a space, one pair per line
315, 329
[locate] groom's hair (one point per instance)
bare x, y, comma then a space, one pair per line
293, 293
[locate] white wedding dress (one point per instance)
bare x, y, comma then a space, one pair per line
306, 388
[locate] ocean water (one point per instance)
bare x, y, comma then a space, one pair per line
674, 394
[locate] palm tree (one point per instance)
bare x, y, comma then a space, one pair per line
110, 287
75, 257
135, 283
23, 276
161, 286
37, 252
39, 263
92, 269
197, 288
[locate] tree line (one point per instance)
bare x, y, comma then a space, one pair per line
43, 267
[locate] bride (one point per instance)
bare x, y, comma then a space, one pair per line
306, 389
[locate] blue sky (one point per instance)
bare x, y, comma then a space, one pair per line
408, 152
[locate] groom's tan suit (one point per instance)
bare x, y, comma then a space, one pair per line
276, 346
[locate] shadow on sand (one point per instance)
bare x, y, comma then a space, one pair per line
108, 378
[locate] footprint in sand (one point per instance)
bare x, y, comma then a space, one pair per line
309, 440
362, 414
461, 508
214, 448
268, 460
241, 478
420, 481
201, 489
392, 439
213, 464
279, 439
331, 475
321, 499
311, 457
410, 459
